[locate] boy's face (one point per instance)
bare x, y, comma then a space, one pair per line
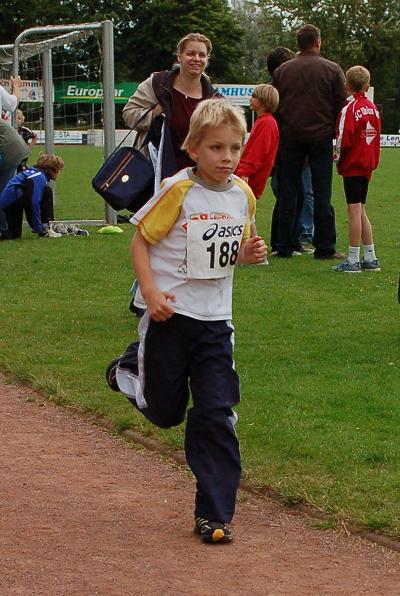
217, 154
255, 103
54, 174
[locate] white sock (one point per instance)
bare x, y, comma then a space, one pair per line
369, 252
354, 254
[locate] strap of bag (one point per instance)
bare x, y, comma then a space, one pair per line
133, 127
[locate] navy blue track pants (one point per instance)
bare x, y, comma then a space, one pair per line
176, 355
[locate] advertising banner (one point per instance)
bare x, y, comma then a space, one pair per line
85, 91
64, 137
29, 90
390, 140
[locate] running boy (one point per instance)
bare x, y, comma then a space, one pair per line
358, 132
189, 237
29, 191
259, 153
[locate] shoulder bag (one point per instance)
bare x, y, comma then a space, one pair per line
126, 178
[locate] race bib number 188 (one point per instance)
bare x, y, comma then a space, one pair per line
213, 247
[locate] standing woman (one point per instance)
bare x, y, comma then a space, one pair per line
173, 96
8, 103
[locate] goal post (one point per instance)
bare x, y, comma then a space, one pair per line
68, 33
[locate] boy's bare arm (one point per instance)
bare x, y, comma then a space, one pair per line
254, 250
158, 304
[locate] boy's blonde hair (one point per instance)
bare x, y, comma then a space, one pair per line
268, 96
51, 164
193, 37
212, 113
357, 78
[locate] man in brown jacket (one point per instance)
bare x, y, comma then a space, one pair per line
311, 91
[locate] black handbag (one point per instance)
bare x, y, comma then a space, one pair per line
126, 178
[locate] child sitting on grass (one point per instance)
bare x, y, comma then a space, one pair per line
29, 191
189, 237
259, 153
358, 132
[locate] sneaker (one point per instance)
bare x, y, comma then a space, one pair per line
370, 265
294, 253
52, 234
306, 248
212, 531
59, 228
347, 267
111, 373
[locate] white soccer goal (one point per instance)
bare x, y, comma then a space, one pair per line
62, 68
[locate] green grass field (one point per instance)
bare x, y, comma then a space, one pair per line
317, 352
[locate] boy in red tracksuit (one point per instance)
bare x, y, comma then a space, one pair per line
259, 153
358, 131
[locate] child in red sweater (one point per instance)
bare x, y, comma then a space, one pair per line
259, 153
357, 155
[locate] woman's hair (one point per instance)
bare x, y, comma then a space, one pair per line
278, 56
212, 113
357, 78
268, 96
193, 37
50, 163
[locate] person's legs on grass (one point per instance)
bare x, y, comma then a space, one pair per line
354, 213
369, 261
352, 262
291, 161
306, 219
14, 215
320, 161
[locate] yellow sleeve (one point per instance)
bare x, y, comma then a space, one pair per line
160, 214
251, 201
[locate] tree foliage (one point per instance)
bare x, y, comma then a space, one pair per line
353, 32
242, 31
146, 31
157, 25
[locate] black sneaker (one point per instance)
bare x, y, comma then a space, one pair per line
212, 531
111, 374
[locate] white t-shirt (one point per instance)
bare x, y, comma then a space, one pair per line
7, 102
195, 231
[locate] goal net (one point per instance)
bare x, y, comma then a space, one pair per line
67, 71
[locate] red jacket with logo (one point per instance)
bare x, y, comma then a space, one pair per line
259, 153
358, 130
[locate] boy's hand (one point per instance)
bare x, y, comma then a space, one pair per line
158, 305
254, 250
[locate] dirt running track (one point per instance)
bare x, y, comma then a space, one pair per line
83, 514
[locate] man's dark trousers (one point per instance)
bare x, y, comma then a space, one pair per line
292, 158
